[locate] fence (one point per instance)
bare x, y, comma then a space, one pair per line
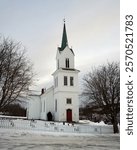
53, 126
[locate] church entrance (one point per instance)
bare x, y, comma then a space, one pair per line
49, 116
69, 115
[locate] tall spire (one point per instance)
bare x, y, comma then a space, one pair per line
64, 37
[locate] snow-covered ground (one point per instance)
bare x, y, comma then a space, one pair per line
11, 139
22, 134
84, 126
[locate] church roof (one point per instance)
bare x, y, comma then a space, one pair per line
71, 69
64, 38
64, 42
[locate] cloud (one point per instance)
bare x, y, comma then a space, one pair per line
92, 27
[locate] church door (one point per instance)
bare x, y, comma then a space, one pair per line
69, 115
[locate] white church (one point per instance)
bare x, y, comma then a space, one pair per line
61, 101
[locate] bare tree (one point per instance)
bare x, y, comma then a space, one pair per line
102, 86
15, 72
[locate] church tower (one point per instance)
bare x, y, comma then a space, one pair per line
66, 90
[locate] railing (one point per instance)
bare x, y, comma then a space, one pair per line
53, 126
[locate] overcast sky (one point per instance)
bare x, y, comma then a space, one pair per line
93, 31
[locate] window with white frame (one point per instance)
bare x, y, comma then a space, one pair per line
65, 80
67, 62
71, 81
56, 105
69, 101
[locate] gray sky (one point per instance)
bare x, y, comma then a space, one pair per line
93, 30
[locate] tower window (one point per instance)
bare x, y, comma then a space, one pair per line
67, 62
68, 101
71, 81
65, 80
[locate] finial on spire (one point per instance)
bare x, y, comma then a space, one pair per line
64, 20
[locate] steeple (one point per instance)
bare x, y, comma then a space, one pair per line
64, 38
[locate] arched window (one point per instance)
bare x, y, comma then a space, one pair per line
67, 62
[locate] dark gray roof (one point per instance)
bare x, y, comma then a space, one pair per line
71, 69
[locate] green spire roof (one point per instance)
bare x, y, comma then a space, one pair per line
64, 38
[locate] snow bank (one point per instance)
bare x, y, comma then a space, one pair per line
92, 123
